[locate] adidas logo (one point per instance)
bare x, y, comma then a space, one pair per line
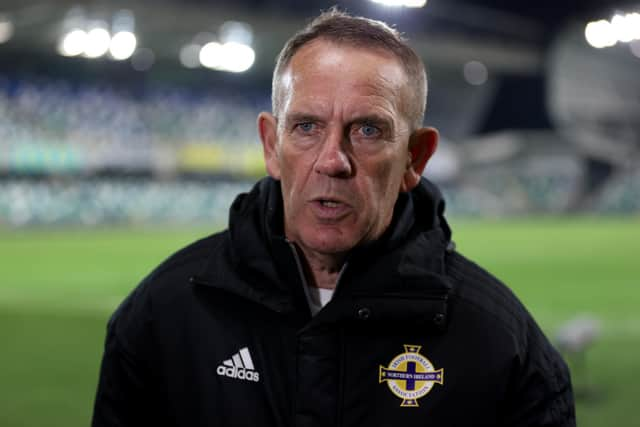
240, 366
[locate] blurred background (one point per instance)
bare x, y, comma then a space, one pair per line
128, 127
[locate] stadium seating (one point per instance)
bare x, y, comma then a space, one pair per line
91, 154
112, 201
49, 126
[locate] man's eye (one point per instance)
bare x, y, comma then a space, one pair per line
369, 130
305, 127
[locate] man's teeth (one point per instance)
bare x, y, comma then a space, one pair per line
329, 204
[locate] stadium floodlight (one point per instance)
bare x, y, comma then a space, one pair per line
122, 45
6, 29
238, 57
402, 3
623, 27
73, 43
98, 42
600, 34
633, 21
211, 55
232, 57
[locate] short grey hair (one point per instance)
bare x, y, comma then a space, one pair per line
341, 28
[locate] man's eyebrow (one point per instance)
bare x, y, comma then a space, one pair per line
299, 117
375, 119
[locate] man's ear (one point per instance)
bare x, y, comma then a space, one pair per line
422, 145
268, 130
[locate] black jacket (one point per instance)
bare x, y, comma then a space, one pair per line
220, 334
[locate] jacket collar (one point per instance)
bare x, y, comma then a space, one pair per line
408, 257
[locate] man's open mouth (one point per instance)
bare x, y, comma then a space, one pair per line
330, 203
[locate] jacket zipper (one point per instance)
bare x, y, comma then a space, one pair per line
301, 271
296, 257
341, 339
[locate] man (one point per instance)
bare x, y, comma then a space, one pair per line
336, 297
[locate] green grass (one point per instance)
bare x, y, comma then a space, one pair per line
57, 290
58, 287
566, 267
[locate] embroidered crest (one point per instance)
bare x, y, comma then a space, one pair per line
410, 376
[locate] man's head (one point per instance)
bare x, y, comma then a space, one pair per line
345, 137
359, 32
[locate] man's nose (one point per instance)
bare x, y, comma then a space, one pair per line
333, 159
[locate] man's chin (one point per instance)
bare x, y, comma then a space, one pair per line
328, 245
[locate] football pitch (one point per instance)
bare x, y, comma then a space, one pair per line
58, 287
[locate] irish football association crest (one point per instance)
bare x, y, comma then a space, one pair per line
410, 376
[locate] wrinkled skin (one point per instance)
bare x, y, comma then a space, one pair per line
342, 147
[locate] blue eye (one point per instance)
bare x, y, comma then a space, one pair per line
368, 130
306, 126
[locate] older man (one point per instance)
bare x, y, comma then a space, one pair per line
336, 297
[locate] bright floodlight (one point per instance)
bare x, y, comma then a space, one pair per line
600, 34
633, 20
73, 43
232, 57
400, 3
123, 44
623, 28
238, 57
211, 55
98, 41
6, 29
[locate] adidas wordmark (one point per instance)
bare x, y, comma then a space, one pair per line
240, 366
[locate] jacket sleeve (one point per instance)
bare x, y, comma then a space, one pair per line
125, 388
540, 392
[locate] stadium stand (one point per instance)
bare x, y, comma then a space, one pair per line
115, 200
95, 154
51, 127
620, 195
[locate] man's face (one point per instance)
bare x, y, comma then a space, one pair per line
340, 145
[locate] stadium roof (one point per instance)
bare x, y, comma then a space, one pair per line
510, 35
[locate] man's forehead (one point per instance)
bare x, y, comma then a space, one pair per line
321, 53
324, 66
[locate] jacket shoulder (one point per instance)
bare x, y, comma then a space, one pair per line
162, 287
476, 287
188, 260
538, 373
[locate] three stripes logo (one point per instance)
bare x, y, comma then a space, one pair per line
240, 366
